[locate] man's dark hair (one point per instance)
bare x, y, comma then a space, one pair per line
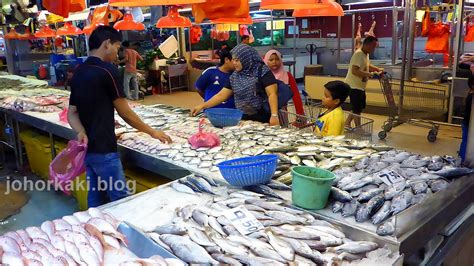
470, 82
369, 40
225, 53
245, 37
339, 90
102, 34
126, 44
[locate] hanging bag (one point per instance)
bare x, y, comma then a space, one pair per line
284, 93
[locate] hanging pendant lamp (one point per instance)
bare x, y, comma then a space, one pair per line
333, 10
137, 3
242, 21
87, 30
11, 35
69, 30
173, 20
291, 4
45, 32
26, 36
128, 23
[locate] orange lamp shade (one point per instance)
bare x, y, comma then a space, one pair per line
128, 23
291, 4
26, 36
69, 30
136, 3
87, 30
173, 20
45, 32
242, 21
12, 35
334, 10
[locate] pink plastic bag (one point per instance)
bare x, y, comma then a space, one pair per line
202, 139
63, 116
68, 165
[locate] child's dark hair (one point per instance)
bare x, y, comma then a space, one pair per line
339, 90
225, 53
470, 82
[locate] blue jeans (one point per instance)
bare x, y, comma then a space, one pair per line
462, 148
106, 178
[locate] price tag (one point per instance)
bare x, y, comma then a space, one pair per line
390, 177
243, 220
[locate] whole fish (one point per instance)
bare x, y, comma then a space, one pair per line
272, 206
374, 204
264, 190
223, 220
356, 192
201, 184
356, 247
350, 208
199, 237
401, 202
376, 167
346, 256
417, 163
316, 245
359, 183
173, 229
190, 185
453, 172
362, 164
435, 164
283, 248
309, 235
230, 247
362, 213
230, 230
438, 185
187, 250
419, 187
398, 158
367, 195
214, 224
340, 195
257, 261
327, 230
201, 218
337, 206
226, 260
182, 188
286, 217
209, 180
386, 229
382, 214
278, 186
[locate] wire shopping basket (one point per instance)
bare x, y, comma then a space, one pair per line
415, 103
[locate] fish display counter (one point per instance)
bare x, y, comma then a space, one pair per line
403, 211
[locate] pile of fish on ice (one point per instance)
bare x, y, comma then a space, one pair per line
78, 239
201, 234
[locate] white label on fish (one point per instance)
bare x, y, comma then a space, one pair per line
390, 177
243, 220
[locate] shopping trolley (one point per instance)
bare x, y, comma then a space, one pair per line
415, 103
313, 109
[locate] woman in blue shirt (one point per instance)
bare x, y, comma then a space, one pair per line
214, 79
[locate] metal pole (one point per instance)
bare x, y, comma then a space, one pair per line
394, 33
470, 141
411, 8
353, 31
271, 27
294, 42
406, 30
457, 53
190, 47
339, 39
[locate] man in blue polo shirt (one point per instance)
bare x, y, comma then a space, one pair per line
214, 79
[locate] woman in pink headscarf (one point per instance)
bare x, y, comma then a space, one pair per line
274, 61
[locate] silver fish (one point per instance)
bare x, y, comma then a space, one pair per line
419, 187
366, 196
182, 188
401, 202
226, 260
356, 247
230, 247
200, 183
187, 250
286, 217
350, 208
383, 213
394, 190
230, 230
362, 164
214, 224
257, 261
359, 183
199, 237
283, 248
309, 235
273, 207
386, 229
173, 229
213, 249
223, 220
201, 218
327, 230
340, 195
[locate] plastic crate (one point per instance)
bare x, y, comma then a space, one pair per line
38, 152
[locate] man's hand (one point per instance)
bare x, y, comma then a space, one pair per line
197, 109
160, 135
274, 121
82, 138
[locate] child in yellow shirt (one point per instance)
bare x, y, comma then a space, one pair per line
331, 122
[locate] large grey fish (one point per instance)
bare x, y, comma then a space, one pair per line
187, 250
182, 188
173, 229
419, 187
398, 158
436, 163
226, 260
417, 163
367, 195
312, 235
350, 178
283, 248
438, 185
349, 208
314, 244
286, 217
264, 190
386, 229
278, 186
304, 250
257, 261
359, 183
201, 218
199, 237
401, 202
453, 172
230, 230
362, 213
362, 164
374, 204
272, 206
214, 224
190, 185
209, 180
230, 247
375, 167
394, 190
357, 192
383, 213
356, 247
201, 184
340, 195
